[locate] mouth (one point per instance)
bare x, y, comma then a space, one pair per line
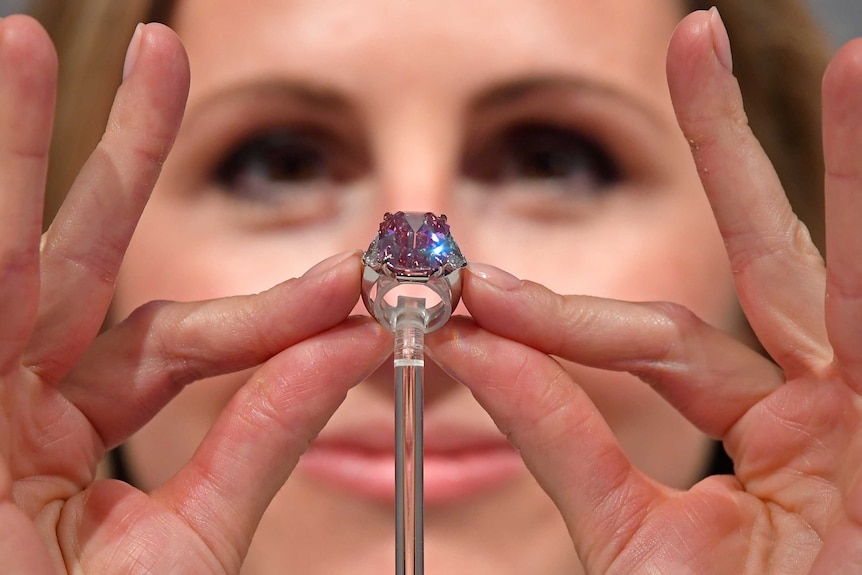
456, 464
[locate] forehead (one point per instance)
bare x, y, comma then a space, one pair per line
452, 46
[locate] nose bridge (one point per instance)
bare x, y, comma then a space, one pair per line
416, 149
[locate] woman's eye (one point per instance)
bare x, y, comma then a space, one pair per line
267, 165
550, 156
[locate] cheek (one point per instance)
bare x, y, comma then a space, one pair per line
165, 444
671, 450
186, 251
665, 247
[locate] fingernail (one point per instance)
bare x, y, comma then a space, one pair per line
329, 263
132, 51
720, 40
495, 276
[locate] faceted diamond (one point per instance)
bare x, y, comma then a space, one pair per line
415, 244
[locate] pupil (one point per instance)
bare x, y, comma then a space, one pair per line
549, 164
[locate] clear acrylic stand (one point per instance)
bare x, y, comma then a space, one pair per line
409, 327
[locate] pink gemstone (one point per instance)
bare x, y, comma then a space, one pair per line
415, 244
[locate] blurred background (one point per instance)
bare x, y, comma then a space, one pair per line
842, 18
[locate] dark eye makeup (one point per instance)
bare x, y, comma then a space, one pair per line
545, 154
269, 163
539, 169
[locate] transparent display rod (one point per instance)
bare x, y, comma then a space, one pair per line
409, 327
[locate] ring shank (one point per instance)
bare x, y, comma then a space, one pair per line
375, 286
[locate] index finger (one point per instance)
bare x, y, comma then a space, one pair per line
765, 241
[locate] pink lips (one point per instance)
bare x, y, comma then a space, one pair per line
456, 464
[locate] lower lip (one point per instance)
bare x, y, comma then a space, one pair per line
448, 476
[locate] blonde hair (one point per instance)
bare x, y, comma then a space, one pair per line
779, 58
90, 36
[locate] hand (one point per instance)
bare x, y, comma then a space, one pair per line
793, 430
68, 395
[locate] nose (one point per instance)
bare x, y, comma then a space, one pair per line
416, 147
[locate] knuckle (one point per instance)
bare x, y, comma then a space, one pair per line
784, 242
18, 263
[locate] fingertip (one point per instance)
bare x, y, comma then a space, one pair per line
689, 49
21, 31
842, 111
503, 303
161, 49
699, 64
28, 60
335, 282
165, 41
691, 39
494, 276
150, 103
720, 39
484, 284
347, 260
132, 52
842, 80
156, 73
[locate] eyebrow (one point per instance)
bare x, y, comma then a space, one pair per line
512, 92
306, 93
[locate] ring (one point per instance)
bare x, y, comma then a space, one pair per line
412, 252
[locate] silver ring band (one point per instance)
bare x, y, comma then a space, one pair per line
376, 286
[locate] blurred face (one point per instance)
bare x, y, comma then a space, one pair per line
542, 129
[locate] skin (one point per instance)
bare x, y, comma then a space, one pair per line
793, 506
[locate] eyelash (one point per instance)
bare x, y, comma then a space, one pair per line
259, 166
545, 154
271, 164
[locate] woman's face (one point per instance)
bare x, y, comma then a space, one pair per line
545, 132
